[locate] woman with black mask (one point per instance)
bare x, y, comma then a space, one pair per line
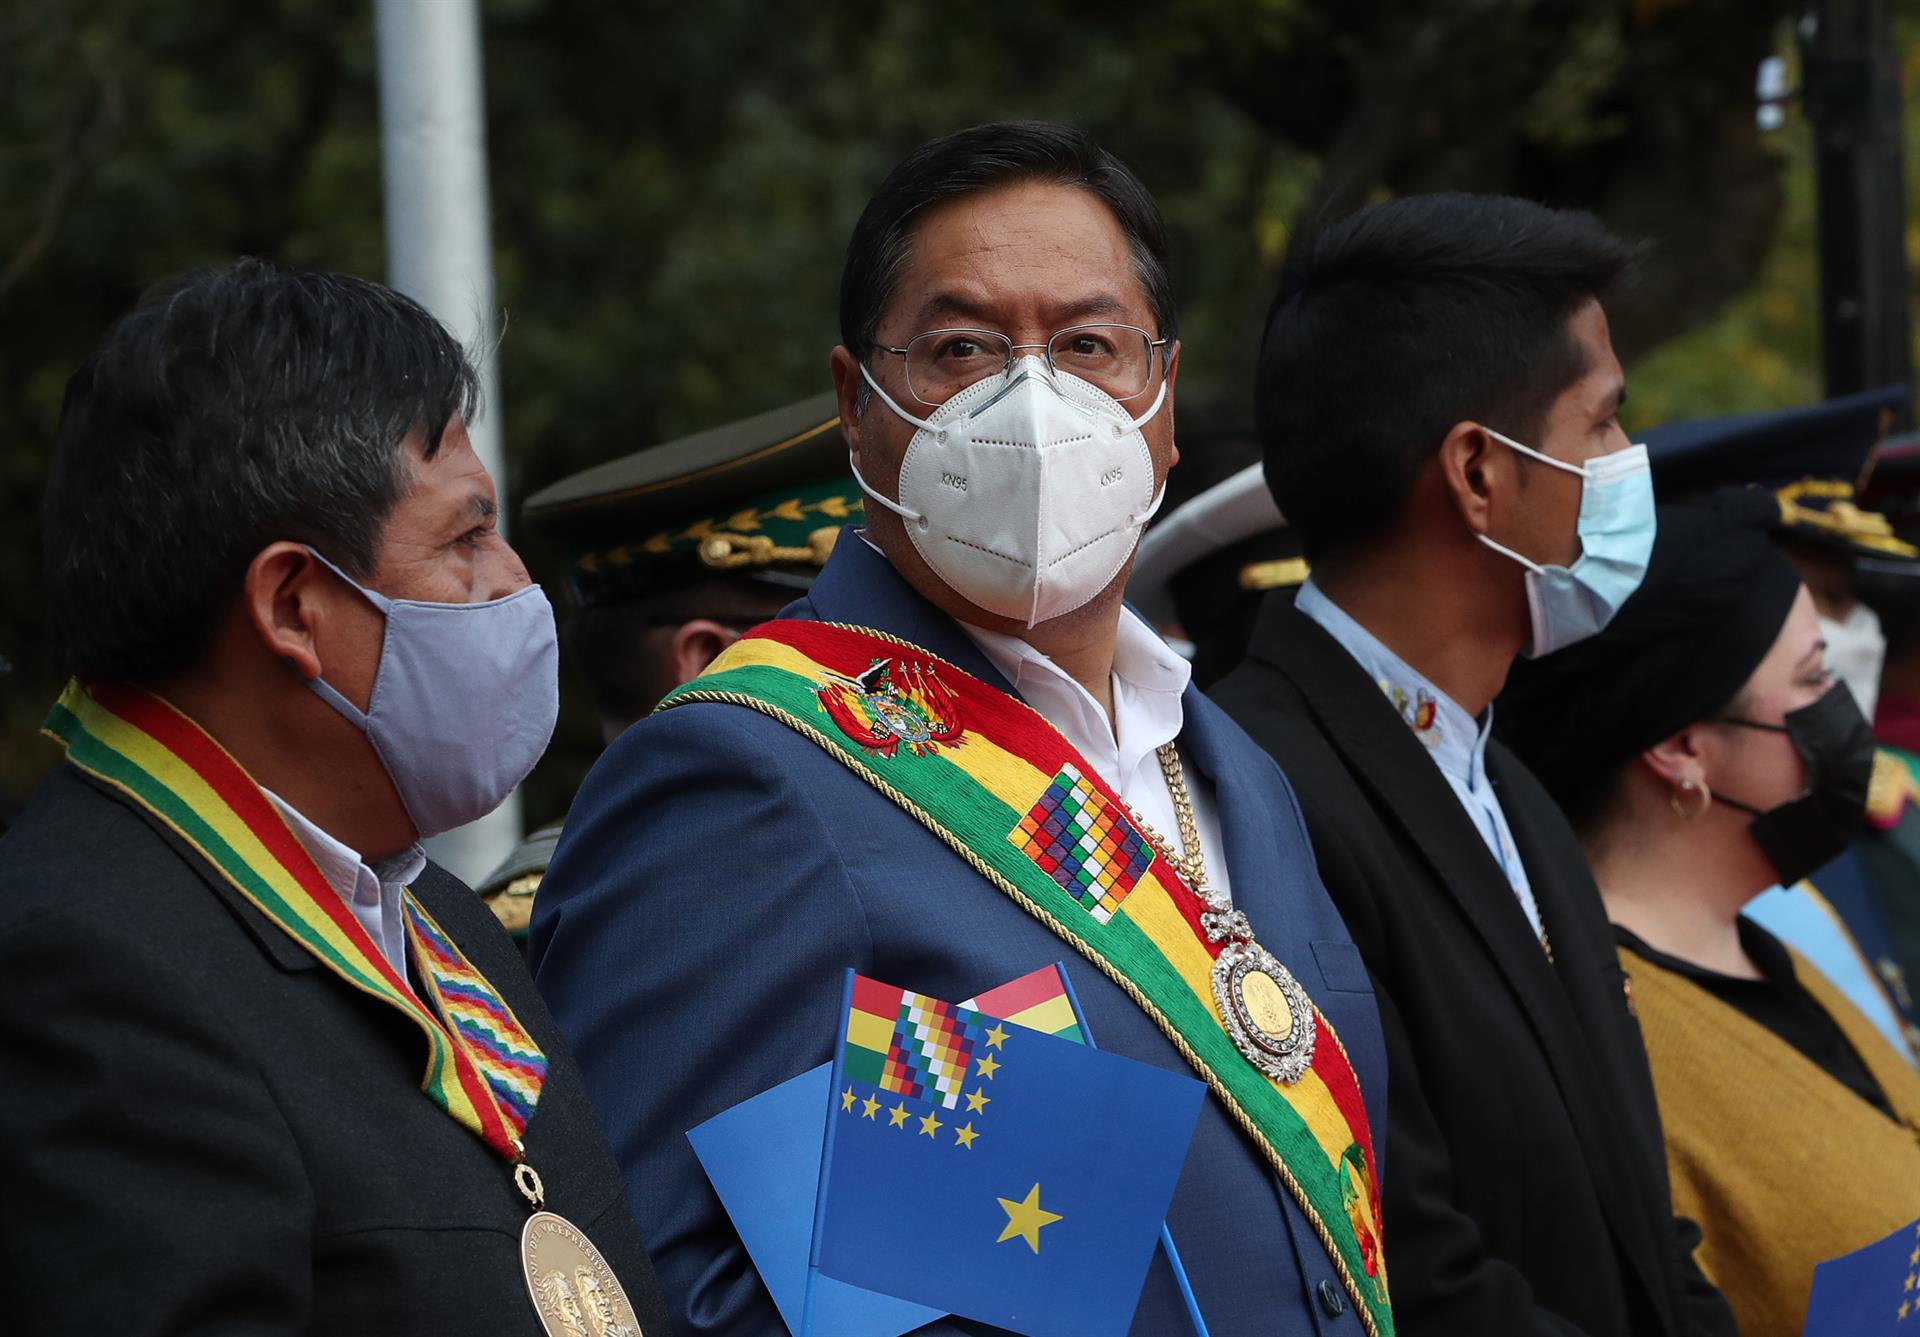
1704, 751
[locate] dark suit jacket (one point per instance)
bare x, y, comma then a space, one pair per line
207, 1131
1528, 1191
719, 872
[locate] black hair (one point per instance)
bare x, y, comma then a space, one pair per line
1402, 320
982, 158
620, 648
232, 407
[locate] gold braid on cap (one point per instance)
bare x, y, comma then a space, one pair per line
1840, 517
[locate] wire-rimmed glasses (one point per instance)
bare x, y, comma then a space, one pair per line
1119, 359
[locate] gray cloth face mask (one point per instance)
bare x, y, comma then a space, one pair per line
464, 701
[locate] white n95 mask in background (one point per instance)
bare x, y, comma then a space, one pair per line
1025, 492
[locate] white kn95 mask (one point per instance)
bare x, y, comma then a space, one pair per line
1027, 491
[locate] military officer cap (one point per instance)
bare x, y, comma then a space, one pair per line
762, 498
1815, 460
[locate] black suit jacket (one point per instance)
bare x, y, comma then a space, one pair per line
207, 1131
1526, 1187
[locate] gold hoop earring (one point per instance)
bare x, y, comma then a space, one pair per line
1691, 787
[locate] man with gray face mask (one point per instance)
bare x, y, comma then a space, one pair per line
267, 1068
862, 783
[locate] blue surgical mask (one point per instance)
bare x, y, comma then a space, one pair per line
464, 700
1570, 603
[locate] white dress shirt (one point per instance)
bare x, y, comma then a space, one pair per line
1148, 679
372, 893
1454, 739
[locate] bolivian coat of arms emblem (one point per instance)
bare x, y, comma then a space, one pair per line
896, 702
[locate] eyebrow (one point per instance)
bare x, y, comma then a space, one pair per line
1071, 313
482, 507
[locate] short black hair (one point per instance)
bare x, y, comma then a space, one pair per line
620, 647
981, 158
1401, 320
232, 407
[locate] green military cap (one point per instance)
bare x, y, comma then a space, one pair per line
762, 498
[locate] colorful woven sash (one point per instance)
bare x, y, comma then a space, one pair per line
482, 1066
1006, 791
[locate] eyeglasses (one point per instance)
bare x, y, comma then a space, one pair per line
1117, 358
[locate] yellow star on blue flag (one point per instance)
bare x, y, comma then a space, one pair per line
1026, 1214
1867, 1293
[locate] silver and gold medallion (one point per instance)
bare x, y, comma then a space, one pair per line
1266, 1011
1264, 1008
574, 1292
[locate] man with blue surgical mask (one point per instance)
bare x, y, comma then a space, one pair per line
268, 1069
956, 759
1438, 399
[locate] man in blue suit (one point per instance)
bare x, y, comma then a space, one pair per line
1006, 384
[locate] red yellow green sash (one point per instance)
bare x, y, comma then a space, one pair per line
482, 1066
999, 785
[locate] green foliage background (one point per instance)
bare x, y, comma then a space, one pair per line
672, 186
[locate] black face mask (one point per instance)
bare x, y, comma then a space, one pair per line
1837, 744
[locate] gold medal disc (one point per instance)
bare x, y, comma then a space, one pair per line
1265, 1004
574, 1292
1265, 1010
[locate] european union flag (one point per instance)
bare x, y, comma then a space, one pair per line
1869, 1291
991, 1171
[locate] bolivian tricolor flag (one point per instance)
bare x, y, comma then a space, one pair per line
1013, 798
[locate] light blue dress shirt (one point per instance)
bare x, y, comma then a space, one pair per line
1455, 741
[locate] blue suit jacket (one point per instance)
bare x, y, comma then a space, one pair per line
719, 871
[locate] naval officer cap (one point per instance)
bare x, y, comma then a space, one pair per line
1204, 569
761, 499
1213, 550
1815, 460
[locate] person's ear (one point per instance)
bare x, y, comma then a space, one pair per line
1676, 760
1470, 473
283, 598
849, 388
695, 645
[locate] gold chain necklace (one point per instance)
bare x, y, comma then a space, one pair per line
1191, 861
1263, 1007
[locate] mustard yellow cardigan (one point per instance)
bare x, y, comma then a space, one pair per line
1780, 1165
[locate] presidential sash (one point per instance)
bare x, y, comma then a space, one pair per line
483, 1068
1008, 793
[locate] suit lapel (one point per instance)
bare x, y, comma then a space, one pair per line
1244, 829
284, 951
1388, 761
1383, 755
